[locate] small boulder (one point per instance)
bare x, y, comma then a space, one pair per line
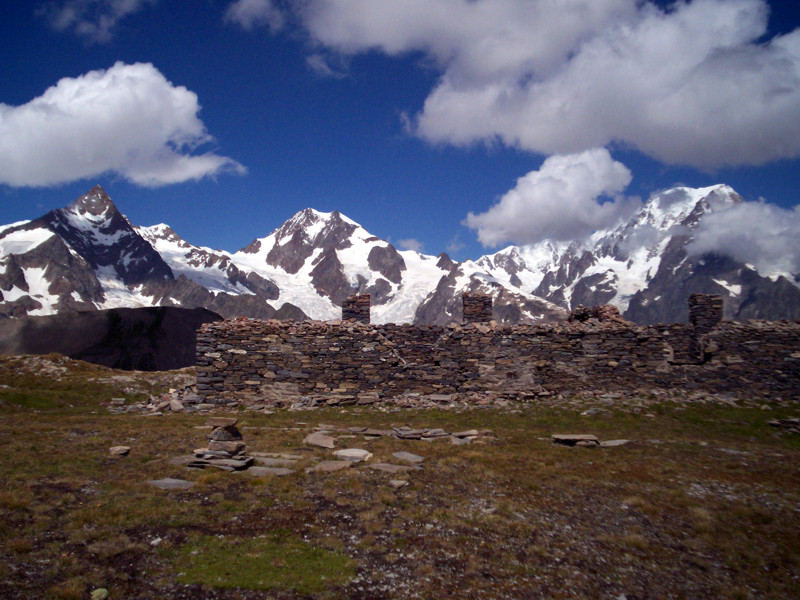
119, 451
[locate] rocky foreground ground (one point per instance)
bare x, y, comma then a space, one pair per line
699, 496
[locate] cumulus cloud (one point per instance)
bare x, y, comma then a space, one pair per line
560, 201
764, 235
694, 83
411, 244
128, 120
250, 14
94, 20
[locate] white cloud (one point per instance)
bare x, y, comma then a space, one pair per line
93, 19
411, 244
128, 120
454, 245
764, 235
332, 67
691, 84
250, 14
558, 202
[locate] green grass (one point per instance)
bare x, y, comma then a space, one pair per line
702, 504
278, 560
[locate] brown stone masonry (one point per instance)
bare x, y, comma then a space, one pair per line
477, 308
254, 361
356, 307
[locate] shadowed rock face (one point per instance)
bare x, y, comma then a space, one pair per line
387, 261
111, 241
144, 339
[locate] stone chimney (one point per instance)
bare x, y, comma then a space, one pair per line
705, 312
356, 307
477, 308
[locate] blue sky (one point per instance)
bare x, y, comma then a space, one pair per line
224, 118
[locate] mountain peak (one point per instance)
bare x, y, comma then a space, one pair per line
95, 202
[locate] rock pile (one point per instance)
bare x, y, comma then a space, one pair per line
225, 448
184, 400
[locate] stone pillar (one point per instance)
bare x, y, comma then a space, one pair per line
477, 308
356, 307
705, 313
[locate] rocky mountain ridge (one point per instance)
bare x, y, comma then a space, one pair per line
88, 256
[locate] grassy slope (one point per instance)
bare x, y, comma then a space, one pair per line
704, 504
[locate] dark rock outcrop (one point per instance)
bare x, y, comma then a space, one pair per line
145, 339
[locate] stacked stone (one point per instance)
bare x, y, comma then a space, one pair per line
477, 308
356, 308
266, 362
605, 313
225, 448
705, 313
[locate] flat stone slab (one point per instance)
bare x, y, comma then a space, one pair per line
283, 455
221, 422
226, 464
434, 433
408, 457
182, 461
393, 469
266, 461
329, 466
320, 439
353, 454
171, 484
614, 443
575, 439
406, 433
377, 432
397, 483
119, 451
265, 471
469, 433
460, 441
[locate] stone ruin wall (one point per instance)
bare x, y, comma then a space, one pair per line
253, 361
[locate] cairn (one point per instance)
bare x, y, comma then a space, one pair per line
225, 450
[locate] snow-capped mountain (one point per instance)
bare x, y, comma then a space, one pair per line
88, 256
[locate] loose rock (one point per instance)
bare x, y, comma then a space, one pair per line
169, 483
119, 451
320, 439
329, 466
353, 454
575, 439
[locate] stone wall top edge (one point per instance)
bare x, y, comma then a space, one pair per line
245, 323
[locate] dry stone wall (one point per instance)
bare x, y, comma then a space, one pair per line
274, 362
356, 307
477, 308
